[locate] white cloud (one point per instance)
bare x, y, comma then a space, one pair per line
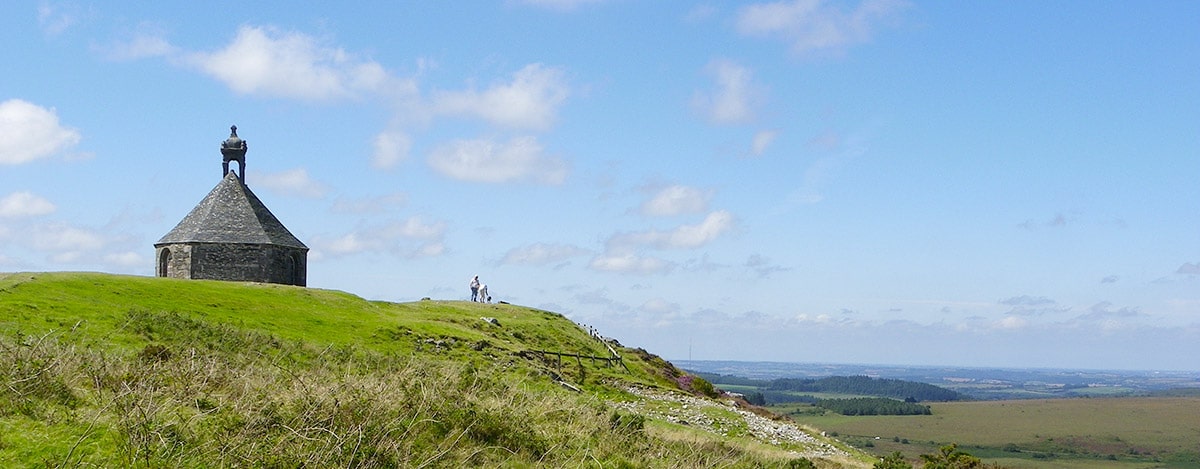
542, 254
520, 159
814, 26
762, 140
676, 200
63, 238
823, 319
29, 132
735, 96
1012, 322
24, 204
268, 62
415, 228
659, 306
54, 20
293, 182
530, 101
126, 259
682, 237
390, 148
141, 46
409, 238
627, 262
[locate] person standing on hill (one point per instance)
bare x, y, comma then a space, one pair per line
475, 288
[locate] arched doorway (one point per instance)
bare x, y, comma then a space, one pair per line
164, 261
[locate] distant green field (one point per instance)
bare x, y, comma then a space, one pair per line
1065, 433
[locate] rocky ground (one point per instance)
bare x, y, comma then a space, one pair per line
732, 420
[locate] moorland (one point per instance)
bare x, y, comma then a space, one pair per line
101, 370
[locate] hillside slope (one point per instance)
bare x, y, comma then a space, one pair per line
113, 370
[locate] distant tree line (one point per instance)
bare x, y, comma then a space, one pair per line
873, 406
719, 379
867, 386
788, 390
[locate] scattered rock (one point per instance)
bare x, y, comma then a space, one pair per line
690, 410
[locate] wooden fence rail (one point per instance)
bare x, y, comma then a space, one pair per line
579, 358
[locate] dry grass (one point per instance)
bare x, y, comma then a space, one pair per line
185, 388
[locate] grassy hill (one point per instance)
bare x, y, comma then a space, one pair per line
110, 370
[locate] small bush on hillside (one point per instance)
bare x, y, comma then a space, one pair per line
626, 423
892, 461
949, 457
155, 353
696, 385
802, 463
705, 388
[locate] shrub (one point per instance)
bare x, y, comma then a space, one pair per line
626, 423
703, 387
949, 457
801, 463
892, 461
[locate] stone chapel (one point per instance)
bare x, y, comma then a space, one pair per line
230, 235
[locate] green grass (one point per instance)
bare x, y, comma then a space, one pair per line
110, 371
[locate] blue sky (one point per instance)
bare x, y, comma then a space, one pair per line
878, 181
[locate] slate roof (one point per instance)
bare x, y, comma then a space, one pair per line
231, 214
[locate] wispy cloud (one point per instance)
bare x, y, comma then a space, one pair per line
1026, 305
294, 182
409, 238
681, 237
530, 101
390, 148
73, 245
837, 149
1059, 220
57, 18
148, 42
736, 96
29, 132
659, 306
24, 204
812, 26
761, 141
1105, 316
675, 200
1026, 300
542, 254
520, 159
762, 266
624, 261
